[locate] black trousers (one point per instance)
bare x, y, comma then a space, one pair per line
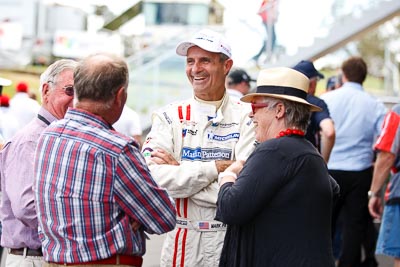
353, 202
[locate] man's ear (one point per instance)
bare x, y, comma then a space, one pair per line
228, 65
45, 91
121, 96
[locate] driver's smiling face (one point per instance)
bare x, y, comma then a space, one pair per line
206, 72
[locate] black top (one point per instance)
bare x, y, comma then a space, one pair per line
279, 210
313, 129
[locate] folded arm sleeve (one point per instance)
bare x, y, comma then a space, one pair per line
181, 181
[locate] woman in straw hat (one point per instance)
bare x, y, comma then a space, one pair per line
278, 203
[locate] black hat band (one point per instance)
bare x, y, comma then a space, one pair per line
281, 90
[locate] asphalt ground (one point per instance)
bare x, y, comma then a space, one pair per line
154, 245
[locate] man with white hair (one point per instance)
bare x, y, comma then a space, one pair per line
18, 209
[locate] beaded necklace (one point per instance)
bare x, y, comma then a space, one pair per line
289, 132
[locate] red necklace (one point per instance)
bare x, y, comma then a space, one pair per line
289, 132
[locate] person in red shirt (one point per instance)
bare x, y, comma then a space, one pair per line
268, 12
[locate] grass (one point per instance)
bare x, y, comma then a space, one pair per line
31, 77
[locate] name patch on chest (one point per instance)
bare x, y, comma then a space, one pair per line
206, 154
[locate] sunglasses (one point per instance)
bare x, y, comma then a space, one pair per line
68, 89
255, 106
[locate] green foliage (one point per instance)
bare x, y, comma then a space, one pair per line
30, 77
372, 84
373, 44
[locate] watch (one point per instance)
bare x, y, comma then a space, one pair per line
372, 194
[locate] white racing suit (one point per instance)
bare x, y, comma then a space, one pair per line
197, 135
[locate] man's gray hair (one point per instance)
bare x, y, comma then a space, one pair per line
53, 71
99, 77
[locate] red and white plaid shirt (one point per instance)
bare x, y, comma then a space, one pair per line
91, 184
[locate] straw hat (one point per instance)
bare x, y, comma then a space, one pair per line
282, 83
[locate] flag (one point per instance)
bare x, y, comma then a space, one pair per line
204, 225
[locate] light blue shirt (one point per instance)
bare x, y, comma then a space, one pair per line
358, 118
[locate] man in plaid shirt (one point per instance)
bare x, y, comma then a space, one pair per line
95, 195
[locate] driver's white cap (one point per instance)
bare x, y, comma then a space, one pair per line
208, 40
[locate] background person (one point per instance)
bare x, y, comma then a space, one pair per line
334, 82
190, 142
358, 118
95, 195
388, 147
8, 122
268, 12
17, 209
261, 201
129, 124
4, 102
238, 83
3, 82
22, 107
321, 130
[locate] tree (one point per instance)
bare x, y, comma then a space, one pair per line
372, 46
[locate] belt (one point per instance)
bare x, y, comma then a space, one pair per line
135, 261
26, 252
200, 226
